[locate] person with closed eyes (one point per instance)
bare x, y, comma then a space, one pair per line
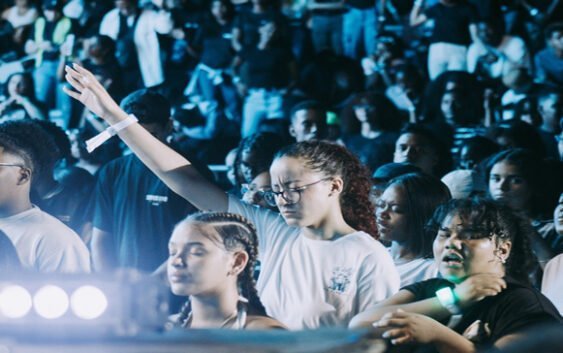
321, 262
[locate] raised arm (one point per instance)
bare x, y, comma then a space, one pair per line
173, 169
417, 16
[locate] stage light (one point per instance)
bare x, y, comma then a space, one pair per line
78, 305
50, 302
15, 302
88, 302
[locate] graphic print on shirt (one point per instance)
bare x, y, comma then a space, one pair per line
340, 280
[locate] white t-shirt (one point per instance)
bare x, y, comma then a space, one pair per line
306, 283
511, 53
416, 270
552, 283
44, 243
17, 20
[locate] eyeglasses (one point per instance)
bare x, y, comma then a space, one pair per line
12, 165
290, 195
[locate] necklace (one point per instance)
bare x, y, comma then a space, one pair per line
239, 314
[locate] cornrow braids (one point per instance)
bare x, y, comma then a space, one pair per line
235, 230
185, 313
335, 160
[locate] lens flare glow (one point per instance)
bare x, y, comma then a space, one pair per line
51, 302
15, 302
88, 302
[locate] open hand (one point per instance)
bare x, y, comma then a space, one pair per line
90, 92
403, 327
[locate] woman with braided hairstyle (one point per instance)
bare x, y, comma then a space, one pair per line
321, 262
212, 258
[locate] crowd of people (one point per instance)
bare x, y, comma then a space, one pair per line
389, 164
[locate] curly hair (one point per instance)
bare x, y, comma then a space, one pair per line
498, 222
28, 140
59, 136
335, 160
383, 114
424, 193
262, 147
236, 233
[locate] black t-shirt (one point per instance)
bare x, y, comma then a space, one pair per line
214, 42
249, 22
268, 68
517, 308
53, 54
488, 9
70, 199
373, 152
361, 4
451, 23
138, 210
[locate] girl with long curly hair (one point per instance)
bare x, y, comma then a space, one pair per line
212, 259
321, 262
483, 297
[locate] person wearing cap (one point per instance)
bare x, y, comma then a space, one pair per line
385, 173
134, 212
135, 31
49, 33
464, 183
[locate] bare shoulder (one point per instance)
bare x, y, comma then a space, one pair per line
255, 322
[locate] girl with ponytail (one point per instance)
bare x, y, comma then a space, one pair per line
321, 262
212, 259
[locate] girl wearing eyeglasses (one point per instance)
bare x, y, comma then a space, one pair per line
320, 261
483, 297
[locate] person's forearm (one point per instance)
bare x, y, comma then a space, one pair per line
173, 169
236, 41
429, 307
416, 17
32, 110
449, 341
473, 32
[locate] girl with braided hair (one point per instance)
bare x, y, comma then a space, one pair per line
321, 262
212, 258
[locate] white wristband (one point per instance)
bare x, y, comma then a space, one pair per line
447, 299
105, 135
